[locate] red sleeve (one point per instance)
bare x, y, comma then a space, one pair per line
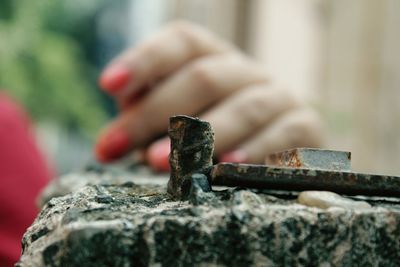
23, 173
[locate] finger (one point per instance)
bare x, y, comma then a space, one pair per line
244, 113
233, 121
161, 54
296, 128
189, 91
157, 156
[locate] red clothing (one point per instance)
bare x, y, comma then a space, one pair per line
23, 173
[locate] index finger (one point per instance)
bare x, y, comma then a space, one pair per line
163, 53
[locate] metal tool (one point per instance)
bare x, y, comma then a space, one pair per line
299, 179
296, 169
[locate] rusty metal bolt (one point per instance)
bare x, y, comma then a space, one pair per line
192, 146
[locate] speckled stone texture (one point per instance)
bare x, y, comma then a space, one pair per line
131, 224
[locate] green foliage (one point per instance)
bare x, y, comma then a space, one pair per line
44, 68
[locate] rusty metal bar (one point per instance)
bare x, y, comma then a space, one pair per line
267, 177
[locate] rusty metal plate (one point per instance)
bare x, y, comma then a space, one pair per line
313, 158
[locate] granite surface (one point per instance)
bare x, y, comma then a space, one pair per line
112, 217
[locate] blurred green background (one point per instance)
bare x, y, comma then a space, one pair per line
51, 54
44, 64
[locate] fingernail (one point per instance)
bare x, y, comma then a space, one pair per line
115, 78
236, 156
112, 145
158, 155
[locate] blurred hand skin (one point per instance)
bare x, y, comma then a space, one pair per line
185, 69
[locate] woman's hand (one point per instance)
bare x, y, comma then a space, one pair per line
184, 69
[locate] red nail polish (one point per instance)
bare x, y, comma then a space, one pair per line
158, 155
237, 156
115, 78
112, 145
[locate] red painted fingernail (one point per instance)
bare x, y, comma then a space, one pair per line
237, 156
158, 155
115, 78
112, 145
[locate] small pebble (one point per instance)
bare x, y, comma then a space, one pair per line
326, 199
